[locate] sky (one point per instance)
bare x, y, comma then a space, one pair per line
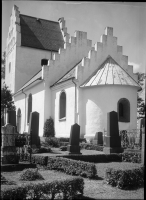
127, 19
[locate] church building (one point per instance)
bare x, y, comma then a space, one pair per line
66, 78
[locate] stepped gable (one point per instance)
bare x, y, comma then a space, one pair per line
40, 33
110, 73
98, 54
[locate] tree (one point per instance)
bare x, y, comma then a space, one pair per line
3, 64
49, 128
6, 100
140, 101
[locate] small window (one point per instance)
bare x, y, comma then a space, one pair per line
62, 106
9, 67
29, 110
123, 110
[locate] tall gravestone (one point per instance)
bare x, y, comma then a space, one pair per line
34, 128
142, 129
112, 139
98, 139
8, 148
11, 117
73, 146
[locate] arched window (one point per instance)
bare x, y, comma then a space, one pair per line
62, 105
29, 107
123, 110
19, 120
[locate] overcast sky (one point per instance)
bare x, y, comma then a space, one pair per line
127, 19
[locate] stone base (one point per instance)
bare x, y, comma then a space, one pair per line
109, 150
73, 149
10, 159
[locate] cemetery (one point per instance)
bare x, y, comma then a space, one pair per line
64, 168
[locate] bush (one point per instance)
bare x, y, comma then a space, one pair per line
66, 189
52, 141
72, 167
91, 147
98, 158
49, 128
125, 179
30, 175
131, 157
63, 148
41, 160
41, 150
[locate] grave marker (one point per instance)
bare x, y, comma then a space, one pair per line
142, 129
98, 139
34, 128
73, 146
112, 139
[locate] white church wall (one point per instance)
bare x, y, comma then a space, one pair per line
98, 101
62, 128
37, 105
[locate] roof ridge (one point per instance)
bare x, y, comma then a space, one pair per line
39, 18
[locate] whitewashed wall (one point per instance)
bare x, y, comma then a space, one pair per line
62, 128
98, 101
37, 105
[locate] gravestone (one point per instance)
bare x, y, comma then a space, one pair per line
8, 148
112, 139
73, 146
98, 139
34, 128
142, 129
11, 118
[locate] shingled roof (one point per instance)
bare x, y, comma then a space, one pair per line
40, 33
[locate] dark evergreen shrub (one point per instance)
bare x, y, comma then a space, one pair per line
49, 128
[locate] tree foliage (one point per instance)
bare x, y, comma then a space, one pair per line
6, 99
140, 101
3, 63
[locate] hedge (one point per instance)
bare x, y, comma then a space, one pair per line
66, 189
72, 167
91, 147
134, 157
125, 179
36, 159
98, 158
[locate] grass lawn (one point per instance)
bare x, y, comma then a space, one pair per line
93, 189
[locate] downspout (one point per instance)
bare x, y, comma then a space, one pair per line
25, 111
75, 118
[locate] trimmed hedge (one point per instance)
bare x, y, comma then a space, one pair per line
91, 147
41, 160
72, 167
98, 158
30, 175
125, 179
66, 189
133, 157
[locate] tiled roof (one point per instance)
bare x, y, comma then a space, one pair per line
33, 79
110, 72
41, 33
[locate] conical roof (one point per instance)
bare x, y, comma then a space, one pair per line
110, 73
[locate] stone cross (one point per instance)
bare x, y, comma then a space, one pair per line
112, 139
73, 146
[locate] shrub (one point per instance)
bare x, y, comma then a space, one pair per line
72, 167
98, 158
52, 141
125, 179
66, 189
30, 175
91, 147
41, 150
133, 157
49, 128
41, 160
63, 148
